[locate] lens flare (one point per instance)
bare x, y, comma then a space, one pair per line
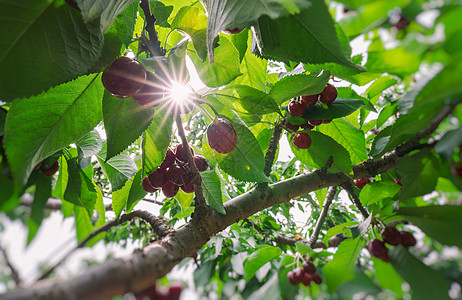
179, 93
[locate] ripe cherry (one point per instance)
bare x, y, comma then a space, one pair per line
315, 122
178, 175
124, 77
170, 189
407, 239
174, 291
360, 183
291, 127
296, 108
391, 236
168, 160
52, 169
234, 30
326, 121
158, 178
328, 94
201, 163
302, 140
307, 126
309, 267
310, 100
307, 278
151, 92
147, 186
187, 187
180, 154
221, 136
316, 278
299, 275
378, 249
290, 276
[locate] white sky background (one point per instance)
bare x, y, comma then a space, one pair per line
57, 235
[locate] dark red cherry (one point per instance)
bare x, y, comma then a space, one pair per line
326, 121
290, 276
221, 136
296, 108
309, 267
407, 239
52, 169
391, 235
302, 140
174, 291
180, 154
148, 187
187, 187
291, 127
151, 92
307, 126
360, 183
170, 189
378, 249
178, 175
315, 122
168, 160
328, 94
307, 278
299, 275
201, 163
124, 77
310, 100
158, 178
316, 278
234, 30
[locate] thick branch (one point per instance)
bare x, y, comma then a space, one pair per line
325, 208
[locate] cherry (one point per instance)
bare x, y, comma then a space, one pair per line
309, 267
124, 77
326, 121
234, 30
151, 92
52, 169
299, 275
200, 163
302, 140
317, 279
170, 189
296, 108
307, 126
187, 187
402, 23
315, 122
290, 276
181, 154
178, 175
168, 160
398, 181
158, 178
147, 186
391, 236
328, 94
174, 291
456, 169
378, 249
291, 127
221, 136
310, 100
360, 183
407, 239
307, 278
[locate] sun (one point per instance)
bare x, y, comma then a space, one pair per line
179, 93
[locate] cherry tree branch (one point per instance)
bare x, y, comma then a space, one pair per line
322, 217
348, 187
14, 272
318, 244
272, 149
153, 43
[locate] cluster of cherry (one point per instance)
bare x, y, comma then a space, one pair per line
126, 77
304, 275
172, 174
172, 293
393, 237
297, 108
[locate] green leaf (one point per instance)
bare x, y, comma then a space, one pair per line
224, 68
246, 161
184, 199
429, 284
387, 277
338, 109
80, 190
118, 169
257, 259
162, 12
336, 230
89, 145
46, 43
446, 145
193, 22
136, 191
322, 147
351, 138
342, 268
308, 37
224, 14
386, 113
268, 290
40, 126
253, 70
378, 86
243, 98
303, 248
120, 198
2, 121
378, 190
298, 85
104, 10
211, 188
42, 193
395, 61
156, 139
441, 222
61, 182
419, 173
124, 121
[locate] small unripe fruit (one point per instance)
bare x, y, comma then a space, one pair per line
328, 94
170, 189
124, 77
158, 178
201, 163
180, 154
147, 186
407, 239
302, 140
309, 100
221, 136
360, 183
391, 236
378, 249
168, 160
296, 108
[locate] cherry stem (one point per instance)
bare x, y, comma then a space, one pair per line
322, 217
196, 177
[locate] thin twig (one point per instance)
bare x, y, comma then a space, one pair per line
284, 240
158, 226
323, 215
272, 149
14, 272
348, 187
153, 43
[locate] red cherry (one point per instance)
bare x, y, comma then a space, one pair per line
170, 189
291, 127
407, 239
290, 276
315, 122
310, 100
221, 136
201, 163
234, 30
124, 77
328, 94
178, 175
187, 187
174, 291
302, 140
52, 169
309, 267
307, 126
168, 160
391, 236
360, 183
326, 121
378, 249
147, 186
296, 108
151, 92
299, 275
317, 279
180, 154
307, 278
158, 178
